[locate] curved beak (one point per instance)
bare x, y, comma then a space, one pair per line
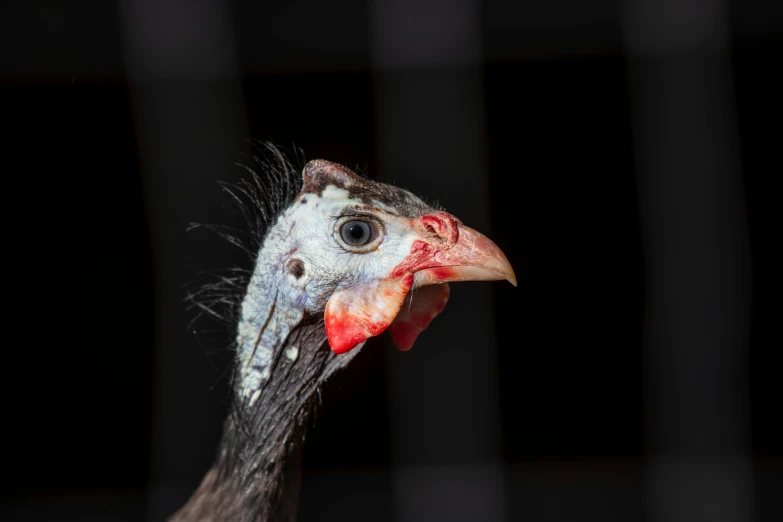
474, 257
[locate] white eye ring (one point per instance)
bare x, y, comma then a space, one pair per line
359, 234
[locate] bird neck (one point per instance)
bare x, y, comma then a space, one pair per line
282, 360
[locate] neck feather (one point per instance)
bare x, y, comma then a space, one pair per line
282, 360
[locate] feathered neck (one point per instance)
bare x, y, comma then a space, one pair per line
256, 473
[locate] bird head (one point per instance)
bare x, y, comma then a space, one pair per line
371, 257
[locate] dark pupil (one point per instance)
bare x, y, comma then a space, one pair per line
356, 233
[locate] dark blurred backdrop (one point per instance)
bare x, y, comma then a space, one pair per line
622, 154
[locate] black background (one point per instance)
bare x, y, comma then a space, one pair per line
79, 336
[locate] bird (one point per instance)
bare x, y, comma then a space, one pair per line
340, 259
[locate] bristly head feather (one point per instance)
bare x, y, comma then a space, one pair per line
271, 179
272, 183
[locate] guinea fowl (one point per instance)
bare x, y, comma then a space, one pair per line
342, 261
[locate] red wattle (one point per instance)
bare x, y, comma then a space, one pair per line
355, 314
427, 302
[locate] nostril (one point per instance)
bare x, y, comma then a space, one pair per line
441, 226
432, 232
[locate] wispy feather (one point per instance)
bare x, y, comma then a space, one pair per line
270, 180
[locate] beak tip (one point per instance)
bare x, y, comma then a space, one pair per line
508, 274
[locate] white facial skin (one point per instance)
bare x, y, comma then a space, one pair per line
308, 234
331, 264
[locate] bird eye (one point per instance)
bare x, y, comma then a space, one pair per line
357, 233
